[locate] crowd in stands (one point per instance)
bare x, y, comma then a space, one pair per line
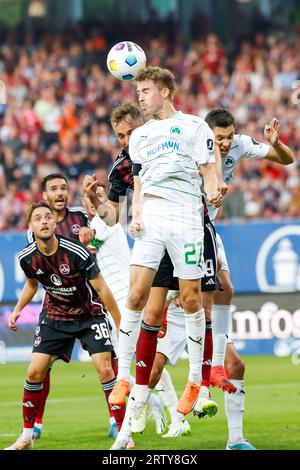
60, 96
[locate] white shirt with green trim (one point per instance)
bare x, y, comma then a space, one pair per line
113, 256
170, 151
243, 146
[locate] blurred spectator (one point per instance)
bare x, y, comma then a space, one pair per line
60, 96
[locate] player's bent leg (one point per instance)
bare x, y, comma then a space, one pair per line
235, 403
221, 320
38, 424
195, 334
141, 279
103, 365
32, 399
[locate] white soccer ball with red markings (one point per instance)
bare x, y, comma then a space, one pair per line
125, 60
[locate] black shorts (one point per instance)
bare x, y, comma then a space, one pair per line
164, 276
209, 281
66, 357
56, 337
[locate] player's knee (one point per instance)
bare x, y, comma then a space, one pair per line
190, 301
136, 299
105, 373
236, 368
34, 374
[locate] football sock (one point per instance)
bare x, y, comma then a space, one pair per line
195, 334
118, 412
31, 402
45, 393
234, 408
221, 319
129, 333
207, 355
145, 352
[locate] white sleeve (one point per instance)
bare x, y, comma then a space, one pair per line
102, 231
133, 148
252, 148
204, 147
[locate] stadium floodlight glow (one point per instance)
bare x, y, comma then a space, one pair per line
244, 1
37, 9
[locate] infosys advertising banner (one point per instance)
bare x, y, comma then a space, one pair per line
263, 257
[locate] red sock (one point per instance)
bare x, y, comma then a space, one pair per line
31, 402
145, 352
118, 412
45, 393
207, 355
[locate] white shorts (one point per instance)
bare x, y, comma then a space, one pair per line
174, 343
222, 254
175, 228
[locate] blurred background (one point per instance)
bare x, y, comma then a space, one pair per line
238, 54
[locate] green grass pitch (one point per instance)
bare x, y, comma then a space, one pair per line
76, 414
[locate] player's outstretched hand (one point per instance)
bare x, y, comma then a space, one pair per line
12, 319
271, 132
136, 228
222, 186
216, 199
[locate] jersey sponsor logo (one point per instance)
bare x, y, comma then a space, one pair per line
210, 144
75, 229
64, 269
176, 130
39, 271
229, 162
56, 280
163, 147
37, 341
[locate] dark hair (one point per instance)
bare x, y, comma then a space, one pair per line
36, 205
163, 78
123, 110
219, 117
51, 177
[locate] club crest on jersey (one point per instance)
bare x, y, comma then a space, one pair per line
56, 280
176, 130
75, 229
38, 341
229, 162
64, 269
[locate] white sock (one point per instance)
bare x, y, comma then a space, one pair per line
167, 394
27, 434
195, 334
141, 392
129, 332
234, 408
221, 320
125, 431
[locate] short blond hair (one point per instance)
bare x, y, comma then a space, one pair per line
163, 78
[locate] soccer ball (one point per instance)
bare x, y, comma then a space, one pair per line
125, 60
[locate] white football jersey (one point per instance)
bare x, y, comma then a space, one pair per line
170, 151
113, 256
243, 146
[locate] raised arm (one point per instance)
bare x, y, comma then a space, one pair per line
279, 152
137, 225
109, 211
29, 290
